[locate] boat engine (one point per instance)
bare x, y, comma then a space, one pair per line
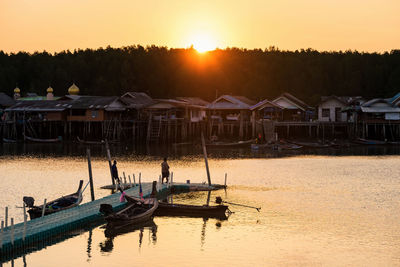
106, 209
29, 201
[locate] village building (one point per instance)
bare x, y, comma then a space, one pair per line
294, 108
331, 108
230, 116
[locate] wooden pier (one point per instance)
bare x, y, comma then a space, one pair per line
16, 239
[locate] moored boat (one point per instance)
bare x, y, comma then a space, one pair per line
59, 204
231, 144
363, 141
86, 142
136, 211
43, 140
205, 211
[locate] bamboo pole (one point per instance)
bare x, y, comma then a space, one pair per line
109, 161
124, 177
205, 158
90, 174
134, 179
226, 175
44, 207
130, 181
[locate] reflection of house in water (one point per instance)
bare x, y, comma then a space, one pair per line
230, 115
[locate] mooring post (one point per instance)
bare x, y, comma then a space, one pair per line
6, 217
172, 179
159, 183
1, 235
121, 183
130, 181
134, 179
226, 175
90, 174
140, 178
44, 207
12, 231
109, 161
24, 233
124, 177
205, 158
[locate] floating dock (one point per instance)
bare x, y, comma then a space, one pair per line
22, 237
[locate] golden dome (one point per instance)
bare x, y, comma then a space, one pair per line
73, 90
49, 90
17, 90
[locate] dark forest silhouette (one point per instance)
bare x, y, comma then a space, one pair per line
163, 72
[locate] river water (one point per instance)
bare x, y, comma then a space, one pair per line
318, 208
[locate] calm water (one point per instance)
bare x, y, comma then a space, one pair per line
317, 210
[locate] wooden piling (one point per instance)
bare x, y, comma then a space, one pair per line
124, 177
90, 174
130, 181
1, 235
109, 162
6, 217
226, 175
134, 180
24, 232
12, 231
205, 158
44, 207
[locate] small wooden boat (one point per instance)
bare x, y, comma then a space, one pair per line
309, 144
168, 209
363, 141
62, 203
137, 211
86, 142
41, 140
6, 140
230, 144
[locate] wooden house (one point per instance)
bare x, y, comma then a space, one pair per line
135, 102
230, 115
331, 108
294, 108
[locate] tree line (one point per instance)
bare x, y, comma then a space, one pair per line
164, 73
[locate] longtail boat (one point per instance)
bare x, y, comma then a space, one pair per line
168, 209
59, 204
136, 211
230, 144
41, 140
86, 142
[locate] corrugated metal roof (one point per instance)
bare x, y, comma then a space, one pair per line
136, 100
37, 106
197, 101
297, 102
380, 109
5, 100
265, 103
231, 102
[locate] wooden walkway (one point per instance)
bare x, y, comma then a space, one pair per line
18, 237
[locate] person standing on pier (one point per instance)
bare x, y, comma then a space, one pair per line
114, 172
164, 171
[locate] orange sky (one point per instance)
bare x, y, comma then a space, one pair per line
55, 25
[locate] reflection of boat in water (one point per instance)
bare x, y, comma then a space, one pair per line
205, 211
62, 203
41, 140
136, 211
230, 144
112, 231
362, 141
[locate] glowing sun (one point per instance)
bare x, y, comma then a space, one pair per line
203, 43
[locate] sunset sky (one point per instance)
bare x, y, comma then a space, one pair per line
55, 25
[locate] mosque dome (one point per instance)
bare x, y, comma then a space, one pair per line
73, 90
17, 90
49, 90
